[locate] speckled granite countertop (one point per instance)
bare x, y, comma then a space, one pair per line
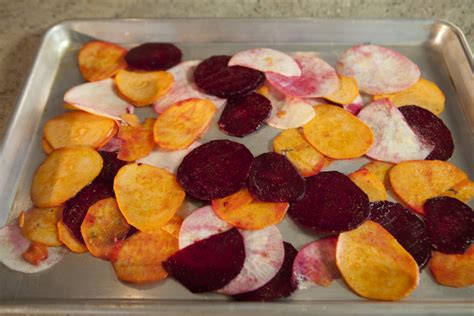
22, 22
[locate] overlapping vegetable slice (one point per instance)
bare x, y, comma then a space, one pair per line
100, 60
453, 270
40, 225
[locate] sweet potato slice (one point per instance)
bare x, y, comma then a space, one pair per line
173, 226
78, 128
142, 88
416, 181
100, 60
103, 227
347, 91
147, 196
374, 264
40, 225
463, 191
370, 184
64, 173
304, 157
424, 93
453, 270
137, 141
68, 239
338, 134
183, 123
380, 169
242, 211
140, 257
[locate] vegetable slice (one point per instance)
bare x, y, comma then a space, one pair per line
100, 60
370, 184
266, 60
453, 270
40, 225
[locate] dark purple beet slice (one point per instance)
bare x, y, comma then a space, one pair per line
278, 287
272, 178
214, 77
405, 226
244, 115
431, 130
154, 56
332, 203
110, 167
209, 264
450, 224
215, 169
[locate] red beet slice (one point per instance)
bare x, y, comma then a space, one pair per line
154, 56
208, 264
215, 169
405, 226
332, 203
431, 130
214, 77
278, 287
272, 178
450, 224
244, 115
110, 166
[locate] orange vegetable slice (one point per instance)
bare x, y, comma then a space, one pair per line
100, 60
463, 191
183, 123
416, 181
140, 257
424, 93
36, 253
103, 227
78, 128
370, 184
347, 91
131, 119
137, 141
338, 134
380, 169
374, 264
243, 211
64, 173
173, 226
304, 157
142, 88
147, 196
40, 225
68, 240
453, 270
46, 146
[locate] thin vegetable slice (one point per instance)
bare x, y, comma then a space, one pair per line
347, 92
453, 270
69, 240
463, 191
266, 60
370, 184
136, 141
40, 225
153, 56
100, 60
169, 160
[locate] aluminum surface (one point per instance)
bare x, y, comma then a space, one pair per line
81, 283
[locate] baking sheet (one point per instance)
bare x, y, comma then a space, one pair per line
437, 47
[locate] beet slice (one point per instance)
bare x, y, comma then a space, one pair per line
214, 77
208, 264
278, 287
111, 166
431, 130
332, 203
154, 56
244, 115
215, 169
450, 224
272, 178
405, 226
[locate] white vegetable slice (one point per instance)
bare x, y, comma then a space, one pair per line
169, 160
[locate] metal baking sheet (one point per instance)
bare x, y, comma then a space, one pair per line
81, 283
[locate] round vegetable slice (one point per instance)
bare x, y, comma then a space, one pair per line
100, 60
140, 258
450, 224
264, 255
147, 196
385, 271
208, 264
244, 115
347, 92
40, 225
278, 287
315, 264
215, 169
317, 79
102, 227
169, 160
142, 88
272, 178
266, 60
428, 179
380, 169
370, 184
136, 141
377, 69
405, 226
332, 203
214, 77
453, 270
64, 173
153, 56
183, 123
68, 239
431, 130
338, 134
